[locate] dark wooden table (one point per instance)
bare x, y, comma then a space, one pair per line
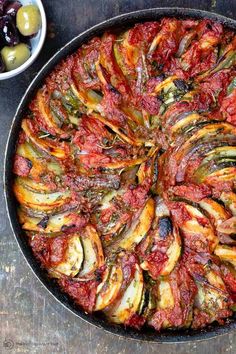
31, 320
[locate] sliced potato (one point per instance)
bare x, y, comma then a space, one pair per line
73, 259
229, 199
165, 299
109, 289
194, 227
128, 305
226, 254
46, 202
129, 138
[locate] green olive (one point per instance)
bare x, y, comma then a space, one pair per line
28, 20
14, 57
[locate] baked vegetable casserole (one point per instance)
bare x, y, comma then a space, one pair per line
125, 175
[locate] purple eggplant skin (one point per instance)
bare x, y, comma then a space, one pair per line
2, 65
8, 31
11, 8
3, 4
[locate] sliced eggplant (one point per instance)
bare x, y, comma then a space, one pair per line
109, 288
129, 304
212, 295
48, 224
173, 252
226, 61
73, 259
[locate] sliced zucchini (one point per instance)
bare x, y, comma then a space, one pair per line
183, 121
165, 85
93, 251
216, 131
40, 164
129, 304
44, 110
215, 210
146, 169
109, 288
90, 99
50, 147
34, 186
138, 228
223, 174
210, 168
73, 259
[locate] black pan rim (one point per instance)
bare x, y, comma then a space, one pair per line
146, 335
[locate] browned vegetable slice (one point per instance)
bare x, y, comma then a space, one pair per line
109, 288
48, 224
138, 229
46, 202
226, 254
129, 304
93, 251
72, 263
46, 145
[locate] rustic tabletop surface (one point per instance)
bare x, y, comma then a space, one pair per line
31, 320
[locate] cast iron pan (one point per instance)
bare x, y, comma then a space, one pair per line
116, 23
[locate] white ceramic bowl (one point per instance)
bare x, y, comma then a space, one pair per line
36, 42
